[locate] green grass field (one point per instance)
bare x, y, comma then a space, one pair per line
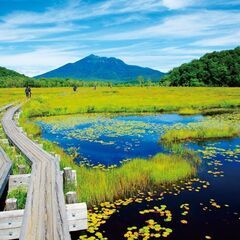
129, 99
56, 101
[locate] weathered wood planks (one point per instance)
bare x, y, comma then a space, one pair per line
5, 164
5, 169
45, 215
11, 221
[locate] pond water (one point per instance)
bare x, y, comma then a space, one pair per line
110, 140
204, 207
213, 200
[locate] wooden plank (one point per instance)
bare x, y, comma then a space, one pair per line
5, 163
5, 170
11, 221
76, 211
45, 216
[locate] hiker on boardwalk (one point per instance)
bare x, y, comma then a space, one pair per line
74, 88
28, 92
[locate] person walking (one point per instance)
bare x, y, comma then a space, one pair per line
26, 92
74, 88
29, 92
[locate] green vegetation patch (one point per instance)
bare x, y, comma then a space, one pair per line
216, 127
96, 186
20, 194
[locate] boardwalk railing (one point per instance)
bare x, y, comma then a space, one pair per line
11, 221
45, 212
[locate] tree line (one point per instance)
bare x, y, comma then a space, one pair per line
213, 69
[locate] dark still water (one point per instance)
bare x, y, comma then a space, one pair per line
204, 207
109, 140
213, 200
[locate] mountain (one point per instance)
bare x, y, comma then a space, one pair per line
102, 68
213, 69
10, 78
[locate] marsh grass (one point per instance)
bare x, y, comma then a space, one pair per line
188, 111
62, 101
98, 185
217, 127
20, 194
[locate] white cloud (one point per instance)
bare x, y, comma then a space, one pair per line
177, 4
180, 26
229, 39
31, 26
38, 61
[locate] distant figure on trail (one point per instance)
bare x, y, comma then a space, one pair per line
28, 92
95, 87
74, 88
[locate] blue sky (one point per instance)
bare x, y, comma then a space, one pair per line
39, 35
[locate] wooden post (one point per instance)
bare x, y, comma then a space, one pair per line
21, 169
71, 197
74, 177
58, 158
67, 175
11, 204
21, 129
40, 145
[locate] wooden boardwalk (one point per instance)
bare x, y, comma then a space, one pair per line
45, 212
5, 164
5, 169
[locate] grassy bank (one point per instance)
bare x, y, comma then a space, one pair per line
217, 127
